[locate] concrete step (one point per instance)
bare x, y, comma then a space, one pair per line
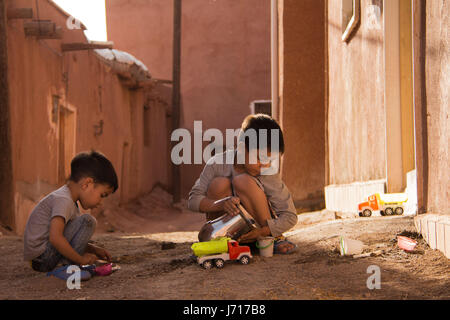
435, 229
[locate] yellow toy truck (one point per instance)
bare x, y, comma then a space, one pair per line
388, 204
217, 251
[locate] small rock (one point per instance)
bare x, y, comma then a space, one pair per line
167, 245
376, 253
346, 215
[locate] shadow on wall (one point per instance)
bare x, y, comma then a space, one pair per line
314, 202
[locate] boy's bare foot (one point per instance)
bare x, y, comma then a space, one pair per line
284, 246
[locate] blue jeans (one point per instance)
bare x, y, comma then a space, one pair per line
78, 232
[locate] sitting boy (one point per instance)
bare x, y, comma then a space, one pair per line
263, 194
56, 230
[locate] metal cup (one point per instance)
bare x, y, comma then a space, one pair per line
228, 225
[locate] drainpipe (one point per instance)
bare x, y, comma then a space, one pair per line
7, 217
176, 175
392, 97
420, 104
274, 58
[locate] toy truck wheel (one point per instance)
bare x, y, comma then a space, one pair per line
389, 211
219, 263
244, 260
399, 211
366, 213
207, 264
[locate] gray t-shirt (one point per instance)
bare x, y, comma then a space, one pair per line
37, 230
278, 195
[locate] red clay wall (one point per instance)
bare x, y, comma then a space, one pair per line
437, 97
225, 56
302, 104
356, 116
88, 88
35, 75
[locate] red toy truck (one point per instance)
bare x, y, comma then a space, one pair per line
216, 252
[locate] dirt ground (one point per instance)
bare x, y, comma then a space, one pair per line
156, 264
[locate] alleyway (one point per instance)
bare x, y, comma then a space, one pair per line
315, 271
358, 88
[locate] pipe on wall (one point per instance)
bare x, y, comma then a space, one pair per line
7, 212
274, 58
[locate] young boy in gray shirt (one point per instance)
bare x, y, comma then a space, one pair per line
56, 229
247, 174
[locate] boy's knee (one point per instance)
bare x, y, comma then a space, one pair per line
243, 181
219, 187
89, 221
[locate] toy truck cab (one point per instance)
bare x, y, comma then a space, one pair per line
372, 204
216, 252
236, 251
388, 204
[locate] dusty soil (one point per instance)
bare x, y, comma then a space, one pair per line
152, 213
315, 271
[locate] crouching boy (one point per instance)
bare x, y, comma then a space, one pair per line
248, 175
56, 231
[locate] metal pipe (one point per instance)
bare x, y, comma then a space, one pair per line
7, 213
176, 176
274, 58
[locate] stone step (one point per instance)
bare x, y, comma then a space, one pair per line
435, 229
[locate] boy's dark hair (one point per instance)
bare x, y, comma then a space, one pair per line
94, 165
262, 121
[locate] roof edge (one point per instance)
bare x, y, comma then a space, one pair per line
65, 13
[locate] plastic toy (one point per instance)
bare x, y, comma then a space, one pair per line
216, 252
406, 243
62, 273
388, 204
104, 269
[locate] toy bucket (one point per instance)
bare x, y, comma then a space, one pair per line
265, 246
104, 270
406, 243
350, 246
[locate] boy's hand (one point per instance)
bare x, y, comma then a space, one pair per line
89, 258
254, 235
102, 254
229, 206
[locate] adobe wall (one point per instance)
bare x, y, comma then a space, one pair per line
437, 79
225, 60
302, 99
34, 77
356, 115
106, 117
6, 174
